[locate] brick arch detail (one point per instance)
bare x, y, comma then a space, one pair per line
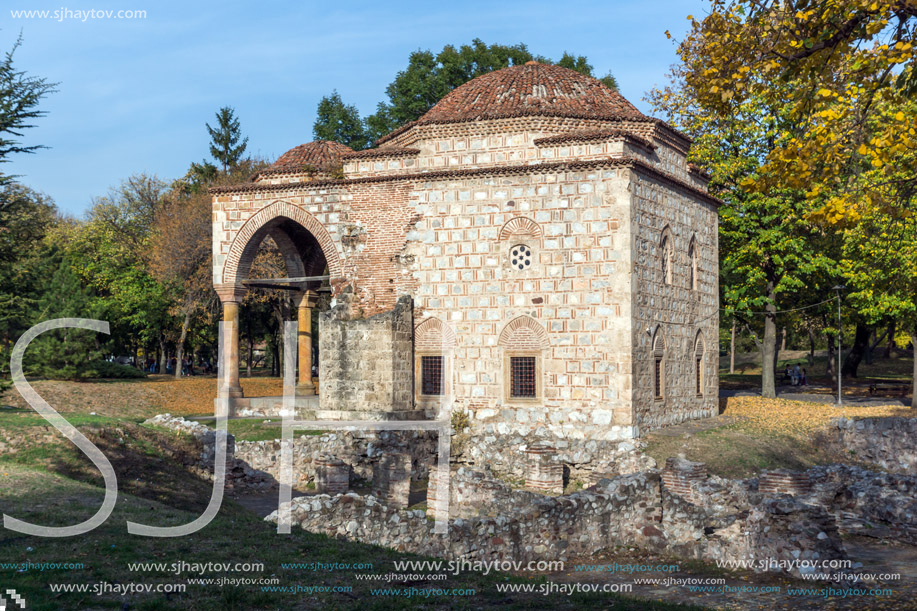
433, 334
519, 227
272, 212
524, 333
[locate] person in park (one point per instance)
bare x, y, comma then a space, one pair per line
804, 376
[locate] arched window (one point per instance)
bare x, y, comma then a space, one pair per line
665, 254
699, 364
692, 265
523, 341
658, 366
434, 345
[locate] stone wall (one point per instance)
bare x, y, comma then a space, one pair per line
890, 443
587, 461
366, 363
676, 312
491, 521
361, 451
867, 503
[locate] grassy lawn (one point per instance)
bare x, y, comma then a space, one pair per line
255, 429
753, 433
45, 480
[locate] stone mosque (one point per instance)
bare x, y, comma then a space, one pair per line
533, 251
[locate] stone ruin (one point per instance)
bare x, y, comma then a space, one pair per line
680, 510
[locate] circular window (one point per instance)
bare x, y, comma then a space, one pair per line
520, 256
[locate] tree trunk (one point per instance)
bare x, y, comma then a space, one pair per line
811, 345
783, 339
891, 340
180, 348
251, 344
769, 347
162, 355
855, 356
914, 373
870, 341
832, 351
732, 349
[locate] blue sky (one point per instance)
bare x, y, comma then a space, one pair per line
134, 94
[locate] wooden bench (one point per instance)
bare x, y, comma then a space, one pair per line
902, 389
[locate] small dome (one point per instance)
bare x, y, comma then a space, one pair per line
531, 89
319, 155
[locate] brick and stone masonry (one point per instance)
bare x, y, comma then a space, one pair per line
614, 298
543, 471
332, 475
392, 479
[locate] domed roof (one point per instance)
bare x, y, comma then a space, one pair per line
319, 155
531, 89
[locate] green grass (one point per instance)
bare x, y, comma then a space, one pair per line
255, 429
235, 535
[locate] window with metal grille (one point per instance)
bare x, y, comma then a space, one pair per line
522, 376
657, 378
431, 373
698, 376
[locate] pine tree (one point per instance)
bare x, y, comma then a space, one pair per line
340, 122
226, 142
65, 353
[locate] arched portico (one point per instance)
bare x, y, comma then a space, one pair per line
309, 256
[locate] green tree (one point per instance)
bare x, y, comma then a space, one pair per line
20, 94
340, 122
65, 353
428, 77
770, 251
227, 145
25, 217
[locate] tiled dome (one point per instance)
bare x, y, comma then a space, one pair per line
320, 155
531, 89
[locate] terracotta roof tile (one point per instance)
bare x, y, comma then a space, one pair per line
530, 89
394, 151
322, 155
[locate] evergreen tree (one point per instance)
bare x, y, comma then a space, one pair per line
19, 98
65, 353
226, 142
340, 122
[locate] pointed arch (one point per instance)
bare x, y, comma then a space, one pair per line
266, 221
692, 263
523, 333
699, 346
666, 258
520, 227
699, 349
434, 335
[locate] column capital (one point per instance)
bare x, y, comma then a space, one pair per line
306, 299
230, 292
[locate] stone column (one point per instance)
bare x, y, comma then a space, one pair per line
231, 296
392, 480
332, 475
543, 472
307, 301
